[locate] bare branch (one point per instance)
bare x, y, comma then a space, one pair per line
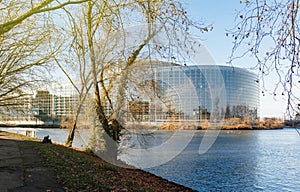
40, 8
269, 31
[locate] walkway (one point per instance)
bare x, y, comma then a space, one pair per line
22, 169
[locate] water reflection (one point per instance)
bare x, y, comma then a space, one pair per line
239, 161
154, 149
227, 165
278, 156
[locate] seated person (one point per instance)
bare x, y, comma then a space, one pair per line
47, 140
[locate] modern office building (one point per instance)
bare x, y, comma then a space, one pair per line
200, 92
18, 109
47, 106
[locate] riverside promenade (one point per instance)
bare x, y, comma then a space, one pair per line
22, 169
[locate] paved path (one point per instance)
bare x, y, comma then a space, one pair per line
22, 169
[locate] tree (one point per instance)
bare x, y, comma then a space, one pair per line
111, 59
75, 65
85, 28
269, 30
27, 45
15, 12
24, 57
82, 89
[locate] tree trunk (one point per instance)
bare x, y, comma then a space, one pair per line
112, 135
70, 138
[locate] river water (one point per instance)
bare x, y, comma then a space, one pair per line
260, 160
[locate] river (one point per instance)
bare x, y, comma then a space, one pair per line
261, 160
258, 160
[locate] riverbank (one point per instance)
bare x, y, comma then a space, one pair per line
81, 171
172, 127
246, 123
31, 125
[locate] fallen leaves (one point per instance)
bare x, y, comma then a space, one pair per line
80, 171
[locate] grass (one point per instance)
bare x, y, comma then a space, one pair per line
82, 171
77, 171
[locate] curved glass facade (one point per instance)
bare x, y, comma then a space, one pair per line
190, 95
242, 92
200, 91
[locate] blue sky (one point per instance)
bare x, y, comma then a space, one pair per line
221, 15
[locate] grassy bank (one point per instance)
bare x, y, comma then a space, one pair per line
81, 171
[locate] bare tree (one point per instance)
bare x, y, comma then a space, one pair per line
24, 57
27, 45
109, 57
269, 31
82, 86
85, 26
75, 65
158, 15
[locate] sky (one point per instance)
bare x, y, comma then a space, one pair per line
221, 14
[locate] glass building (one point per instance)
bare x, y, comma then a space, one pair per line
199, 92
242, 92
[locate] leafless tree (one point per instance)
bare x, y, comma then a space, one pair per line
24, 56
27, 45
269, 31
74, 63
110, 61
85, 26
